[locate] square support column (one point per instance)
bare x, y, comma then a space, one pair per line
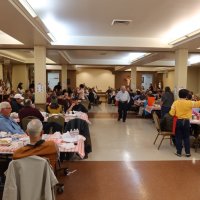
181, 63
133, 78
64, 77
40, 75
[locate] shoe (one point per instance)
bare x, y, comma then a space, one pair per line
118, 119
124, 120
177, 154
188, 155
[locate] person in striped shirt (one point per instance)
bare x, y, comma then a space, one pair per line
182, 109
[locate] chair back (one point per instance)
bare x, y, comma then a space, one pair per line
35, 171
57, 119
83, 128
85, 103
26, 120
156, 121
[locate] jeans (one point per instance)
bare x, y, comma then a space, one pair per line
182, 134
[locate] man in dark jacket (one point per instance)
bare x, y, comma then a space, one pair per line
29, 110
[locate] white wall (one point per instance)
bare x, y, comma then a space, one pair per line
101, 78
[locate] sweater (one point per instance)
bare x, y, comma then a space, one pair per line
47, 149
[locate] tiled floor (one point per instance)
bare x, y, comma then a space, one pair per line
133, 140
125, 165
139, 180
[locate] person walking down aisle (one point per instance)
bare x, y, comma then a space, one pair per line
123, 98
182, 109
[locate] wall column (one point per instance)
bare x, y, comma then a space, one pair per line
20, 74
133, 78
181, 60
1, 71
64, 77
40, 75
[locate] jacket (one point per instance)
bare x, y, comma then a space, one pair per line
29, 178
83, 128
47, 149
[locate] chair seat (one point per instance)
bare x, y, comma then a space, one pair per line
166, 133
161, 133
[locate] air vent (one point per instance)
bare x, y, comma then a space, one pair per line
121, 22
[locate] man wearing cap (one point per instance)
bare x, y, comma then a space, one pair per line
7, 124
16, 103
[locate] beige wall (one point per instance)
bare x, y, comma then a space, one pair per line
168, 79
193, 80
71, 78
20, 74
121, 78
101, 78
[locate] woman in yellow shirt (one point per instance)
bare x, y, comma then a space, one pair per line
182, 109
54, 107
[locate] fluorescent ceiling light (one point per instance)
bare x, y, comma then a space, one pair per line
7, 39
41, 5
178, 40
181, 30
28, 8
194, 59
55, 27
135, 56
51, 36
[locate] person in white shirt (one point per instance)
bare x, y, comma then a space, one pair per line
123, 98
81, 91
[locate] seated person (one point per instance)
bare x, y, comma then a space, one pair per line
37, 146
7, 124
166, 124
29, 110
16, 103
91, 96
54, 107
77, 106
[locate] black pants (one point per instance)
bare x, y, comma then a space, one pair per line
182, 134
122, 110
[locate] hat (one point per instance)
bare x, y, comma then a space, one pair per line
18, 96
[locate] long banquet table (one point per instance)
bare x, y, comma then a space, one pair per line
65, 144
68, 116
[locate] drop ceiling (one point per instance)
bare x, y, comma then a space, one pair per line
84, 34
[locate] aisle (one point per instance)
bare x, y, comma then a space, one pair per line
132, 140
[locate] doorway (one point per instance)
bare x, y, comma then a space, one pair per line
146, 80
53, 77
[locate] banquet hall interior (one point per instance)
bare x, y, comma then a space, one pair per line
105, 45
